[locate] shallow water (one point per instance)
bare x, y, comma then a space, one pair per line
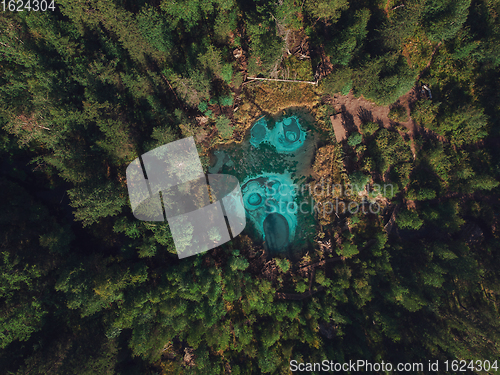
268, 201
286, 136
271, 164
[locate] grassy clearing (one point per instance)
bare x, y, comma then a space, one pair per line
273, 97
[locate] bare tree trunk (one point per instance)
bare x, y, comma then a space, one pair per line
282, 80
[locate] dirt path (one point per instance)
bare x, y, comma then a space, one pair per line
430, 60
386, 8
355, 111
352, 112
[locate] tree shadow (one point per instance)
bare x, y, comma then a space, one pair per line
364, 115
380, 124
348, 121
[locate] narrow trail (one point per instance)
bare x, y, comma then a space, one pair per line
386, 8
430, 61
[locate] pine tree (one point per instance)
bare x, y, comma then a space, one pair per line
326, 9
443, 18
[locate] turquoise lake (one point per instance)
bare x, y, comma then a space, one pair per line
272, 163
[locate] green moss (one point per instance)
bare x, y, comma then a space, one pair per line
223, 125
299, 69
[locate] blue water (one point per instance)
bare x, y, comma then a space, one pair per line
269, 165
286, 136
269, 201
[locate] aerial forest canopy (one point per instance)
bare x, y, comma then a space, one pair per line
90, 85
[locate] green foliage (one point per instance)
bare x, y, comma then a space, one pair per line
223, 125
162, 135
354, 139
192, 90
227, 73
343, 46
283, 265
443, 18
329, 10
359, 181
445, 216
424, 112
211, 60
483, 182
369, 128
402, 23
336, 81
88, 289
384, 79
155, 29
191, 13
20, 318
398, 113
238, 263
348, 250
440, 160
298, 69
409, 219
389, 149
94, 202
466, 125
31, 241
226, 100
347, 88
421, 194
225, 21
266, 48
203, 106
301, 287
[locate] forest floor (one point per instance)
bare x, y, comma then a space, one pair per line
355, 111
